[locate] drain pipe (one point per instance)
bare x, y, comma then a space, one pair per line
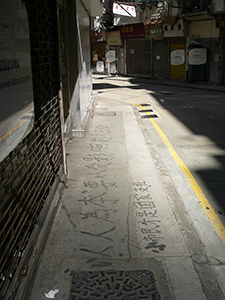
125, 57
61, 110
62, 130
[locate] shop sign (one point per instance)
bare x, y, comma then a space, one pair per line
197, 56
124, 10
177, 57
132, 31
176, 28
113, 38
153, 31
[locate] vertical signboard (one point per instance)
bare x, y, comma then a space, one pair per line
177, 61
16, 91
177, 57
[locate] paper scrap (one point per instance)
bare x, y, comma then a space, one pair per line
51, 294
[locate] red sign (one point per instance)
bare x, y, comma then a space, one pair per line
133, 31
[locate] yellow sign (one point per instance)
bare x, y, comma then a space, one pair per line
95, 57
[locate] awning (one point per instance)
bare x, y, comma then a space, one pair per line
162, 21
197, 16
206, 43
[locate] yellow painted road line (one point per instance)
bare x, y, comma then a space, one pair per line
13, 129
210, 213
217, 224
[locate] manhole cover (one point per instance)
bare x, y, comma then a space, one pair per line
132, 285
105, 113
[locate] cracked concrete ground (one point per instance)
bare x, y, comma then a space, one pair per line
123, 209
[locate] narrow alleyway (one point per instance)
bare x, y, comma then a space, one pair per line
129, 225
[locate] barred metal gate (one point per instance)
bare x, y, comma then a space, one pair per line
161, 58
139, 57
28, 172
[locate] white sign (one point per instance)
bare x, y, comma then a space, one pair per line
124, 10
177, 57
100, 66
111, 55
197, 56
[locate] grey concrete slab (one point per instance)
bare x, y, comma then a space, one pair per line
220, 273
186, 284
161, 222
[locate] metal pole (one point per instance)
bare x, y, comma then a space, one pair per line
221, 67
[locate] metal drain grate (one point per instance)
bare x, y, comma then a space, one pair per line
132, 285
145, 110
145, 104
149, 116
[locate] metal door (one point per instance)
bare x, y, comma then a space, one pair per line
161, 58
139, 57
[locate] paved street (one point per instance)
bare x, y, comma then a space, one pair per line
133, 222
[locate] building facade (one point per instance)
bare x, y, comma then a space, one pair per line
179, 40
44, 67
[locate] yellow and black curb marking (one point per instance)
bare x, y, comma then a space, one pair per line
146, 112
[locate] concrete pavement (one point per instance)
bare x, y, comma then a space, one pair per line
123, 230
